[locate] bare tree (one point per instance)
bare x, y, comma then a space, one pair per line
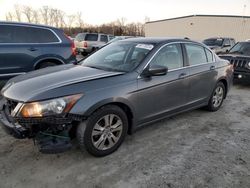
28, 13
36, 17
9, 16
18, 13
44, 11
79, 20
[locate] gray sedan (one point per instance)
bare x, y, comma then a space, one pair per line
113, 92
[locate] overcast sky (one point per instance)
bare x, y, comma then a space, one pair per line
103, 11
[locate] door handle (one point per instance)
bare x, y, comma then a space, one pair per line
182, 75
32, 49
212, 67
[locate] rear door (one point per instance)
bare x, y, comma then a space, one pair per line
202, 73
161, 95
21, 46
13, 54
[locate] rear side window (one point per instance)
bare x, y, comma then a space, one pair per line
80, 37
209, 55
196, 54
104, 38
20, 34
91, 37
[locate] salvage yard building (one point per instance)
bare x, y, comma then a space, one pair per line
200, 27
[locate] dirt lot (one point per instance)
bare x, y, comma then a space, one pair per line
194, 149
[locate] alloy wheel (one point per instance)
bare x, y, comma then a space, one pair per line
107, 132
218, 96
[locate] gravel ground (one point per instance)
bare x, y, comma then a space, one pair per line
194, 149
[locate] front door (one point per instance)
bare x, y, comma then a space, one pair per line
161, 95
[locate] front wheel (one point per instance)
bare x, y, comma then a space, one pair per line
217, 97
104, 131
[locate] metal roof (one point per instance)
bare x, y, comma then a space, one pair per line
200, 15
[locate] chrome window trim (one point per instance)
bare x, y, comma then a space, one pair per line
21, 25
184, 67
12, 74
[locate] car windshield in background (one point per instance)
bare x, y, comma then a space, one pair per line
241, 48
80, 37
119, 56
213, 42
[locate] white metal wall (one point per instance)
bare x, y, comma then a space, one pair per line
201, 27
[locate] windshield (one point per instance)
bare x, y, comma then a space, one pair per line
213, 42
241, 48
118, 56
80, 37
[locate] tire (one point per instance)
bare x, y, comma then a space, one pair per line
217, 97
104, 131
46, 64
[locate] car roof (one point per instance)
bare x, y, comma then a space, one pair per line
26, 24
219, 38
93, 33
158, 40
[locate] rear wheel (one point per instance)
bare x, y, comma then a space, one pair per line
217, 97
104, 131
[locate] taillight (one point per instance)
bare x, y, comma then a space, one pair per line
73, 46
85, 44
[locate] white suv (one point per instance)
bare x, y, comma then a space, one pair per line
86, 42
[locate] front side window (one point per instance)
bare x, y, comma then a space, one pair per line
169, 56
118, 56
196, 54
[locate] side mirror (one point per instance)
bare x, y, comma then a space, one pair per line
155, 70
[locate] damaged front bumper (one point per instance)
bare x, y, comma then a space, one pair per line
51, 134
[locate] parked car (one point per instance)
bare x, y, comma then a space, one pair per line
118, 89
87, 42
220, 45
26, 47
239, 57
117, 38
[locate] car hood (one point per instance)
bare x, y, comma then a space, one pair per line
24, 87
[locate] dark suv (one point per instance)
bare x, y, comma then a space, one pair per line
118, 89
239, 57
219, 45
26, 47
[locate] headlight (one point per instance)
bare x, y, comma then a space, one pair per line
248, 65
49, 107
